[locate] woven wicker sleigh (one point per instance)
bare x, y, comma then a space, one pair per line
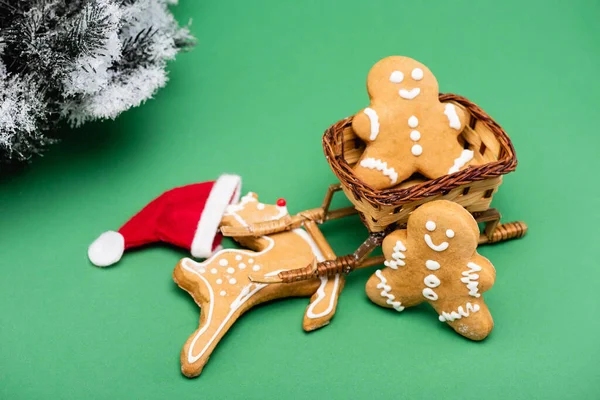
473, 188
385, 210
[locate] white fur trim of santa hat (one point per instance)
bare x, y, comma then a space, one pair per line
107, 249
225, 191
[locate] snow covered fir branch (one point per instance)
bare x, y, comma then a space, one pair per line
76, 61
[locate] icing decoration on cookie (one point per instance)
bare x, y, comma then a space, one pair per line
415, 135
437, 247
385, 292
432, 265
397, 256
417, 74
432, 281
470, 279
227, 293
372, 114
409, 94
417, 150
459, 313
401, 105
413, 121
465, 157
452, 280
379, 165
453, 119
396, 77
428, 293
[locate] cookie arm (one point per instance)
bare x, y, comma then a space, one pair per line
391, 240
366, 124
487, 275
455, 116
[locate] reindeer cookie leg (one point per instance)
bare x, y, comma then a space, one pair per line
215, 319
323, 302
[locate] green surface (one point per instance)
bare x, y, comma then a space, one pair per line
265, 80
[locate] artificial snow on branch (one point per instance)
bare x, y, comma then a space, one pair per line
78, 60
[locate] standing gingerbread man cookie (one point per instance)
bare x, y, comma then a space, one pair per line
406, 128
435, 260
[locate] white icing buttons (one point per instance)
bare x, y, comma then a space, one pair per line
415, 135
413, 121
238, 258
213, 271
450, 233
242, 266
417, 74
432, 265
256, 268
232, 281
222, 293
396, 77
219, 281
250, 260
432, 281
430, 225
230, 270
417, 150
428, 293
223, 262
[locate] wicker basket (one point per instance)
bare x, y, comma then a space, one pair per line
473, 187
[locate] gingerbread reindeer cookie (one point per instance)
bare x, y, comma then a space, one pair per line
406, 128
435, 260
220, 285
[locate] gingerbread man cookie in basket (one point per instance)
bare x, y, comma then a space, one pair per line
435, 260
406, 129
221, 287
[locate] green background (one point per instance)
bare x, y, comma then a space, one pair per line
254, 96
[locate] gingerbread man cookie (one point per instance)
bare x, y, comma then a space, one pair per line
435, 260
406, 128
220, 285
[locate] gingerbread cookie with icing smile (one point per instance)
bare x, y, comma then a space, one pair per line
435, 260
406, 128
220, 285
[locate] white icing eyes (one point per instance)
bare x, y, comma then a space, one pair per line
417, 74
396, 77
430, 225
450, 233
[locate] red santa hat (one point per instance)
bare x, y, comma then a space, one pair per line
187, 216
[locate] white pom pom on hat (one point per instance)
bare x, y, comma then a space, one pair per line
187, 216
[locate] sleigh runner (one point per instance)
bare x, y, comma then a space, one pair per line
383, 211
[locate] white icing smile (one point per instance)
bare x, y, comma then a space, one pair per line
439, 247
409, 94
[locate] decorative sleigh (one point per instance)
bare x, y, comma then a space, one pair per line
383, 211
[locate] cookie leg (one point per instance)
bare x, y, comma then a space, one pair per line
380, 173
216, 317
471, 318
323, 303
385, 289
